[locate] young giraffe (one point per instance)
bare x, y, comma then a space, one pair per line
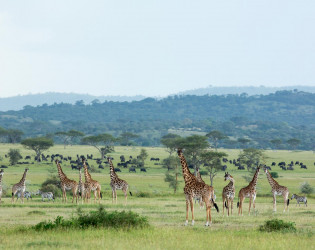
91, 185
19, 187
248, 191
277, 189
193, 188
82, 187
116, 183
198, 177
1, 174
228, 193
67, 184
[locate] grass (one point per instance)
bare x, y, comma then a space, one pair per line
165, 210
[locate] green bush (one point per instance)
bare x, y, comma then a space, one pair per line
278, 225
274, 175
52, 188
54, 180
142, 194
306, 188
203, 172
94, 170
96, 219
14, 156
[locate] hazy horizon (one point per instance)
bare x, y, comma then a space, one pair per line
153, 48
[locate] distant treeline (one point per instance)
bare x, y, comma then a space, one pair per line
282, 115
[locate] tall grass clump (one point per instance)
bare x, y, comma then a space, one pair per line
97, 219
306, 188
277, 225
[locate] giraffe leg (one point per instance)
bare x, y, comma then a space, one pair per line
125, 192
187, 210
274, 203
95, 194
223, 199
241, 205
250, 204
231, 206
228, 206
208, 208
192, 211
22, 197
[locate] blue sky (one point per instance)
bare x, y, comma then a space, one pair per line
154, 48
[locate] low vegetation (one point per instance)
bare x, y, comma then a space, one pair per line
278, 225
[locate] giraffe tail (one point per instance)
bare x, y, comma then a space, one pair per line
215, 205
225, 205
238, 202
101, 195
130, 193
288, 202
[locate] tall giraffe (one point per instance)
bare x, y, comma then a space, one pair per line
228, 193
248, 192
117, 183
194, 188
67, 184
1, 174
277, 189
19, 187
91, 185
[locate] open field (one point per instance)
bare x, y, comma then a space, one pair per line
165, 210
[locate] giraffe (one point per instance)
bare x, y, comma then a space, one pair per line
117, 183
82, 187
1, 174
198, 177
91, 185
67, 184
19, 187
194, 188
277, 189
248, 191
228, 193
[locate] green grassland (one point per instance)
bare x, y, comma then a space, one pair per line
164, 209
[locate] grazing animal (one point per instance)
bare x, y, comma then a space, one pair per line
92, 185
116, 183
228, 193
82, 187
193, 188
27, 195
46, 195
1, 175
277, 189
248, 192
20, 187
299, 199
67, 184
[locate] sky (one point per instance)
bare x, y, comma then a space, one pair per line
154, 48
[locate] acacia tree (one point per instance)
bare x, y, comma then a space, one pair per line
126, 137
14, 135
215, 136
39, 145
252, 157
243, 141
213, 163
293, 142
194, 145
276, 143
142, 156
69, 137
170, 141
14, 155
104, 143
171, 176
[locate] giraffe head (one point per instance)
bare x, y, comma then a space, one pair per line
26, 169
57, 161
179, 151
266, 170
227, 176
1, 172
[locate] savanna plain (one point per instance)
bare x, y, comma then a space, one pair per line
153, 198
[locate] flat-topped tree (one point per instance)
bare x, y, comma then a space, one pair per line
215, 136
70, 136
126, 138
170, 141
39, 145
104, 143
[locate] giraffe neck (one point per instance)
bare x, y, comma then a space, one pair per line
86, 173
271, 181
61, 174
80, 177
1, 179
186, 173
255, 178
113, 174
231, 183
22, 181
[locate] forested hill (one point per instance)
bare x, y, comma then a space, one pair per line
284, 115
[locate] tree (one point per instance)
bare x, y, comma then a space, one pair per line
194, 145
102, 142
212, 161
252, 158
143, 155
215, 136
125, 138
171, 176
68, 137
170, 141
243, 141
293, 142
14, 135
276, 143
38, 144
14, 155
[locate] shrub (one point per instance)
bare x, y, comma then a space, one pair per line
94, 170
14, 155
96, 219
278, 225
52, 188
54, 180
203, 172
142, 194
274, 175
306, 188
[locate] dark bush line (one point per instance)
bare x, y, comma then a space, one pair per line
97, 219
278, 225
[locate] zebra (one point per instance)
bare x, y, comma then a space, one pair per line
299, 199
48, 195
27, 195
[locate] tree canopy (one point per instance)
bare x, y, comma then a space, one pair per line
39, 145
